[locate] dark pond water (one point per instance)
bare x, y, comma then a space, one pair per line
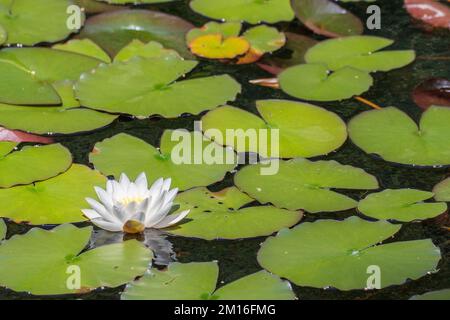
238, 258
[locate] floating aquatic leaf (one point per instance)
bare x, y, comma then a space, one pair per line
124, 153
429, 11
305, 130
114, 30
361, 52
54, 201
50, 258
403, 205
19, 136
302, 184
324, 253
146, 50
219, 216
135, 2
197, 281
394, 136
314, 82
442, 191
326, 18
146, 87
32, 164
251, 11
226, 29
2, 229
32, 71
297, 45
84, 46
94, 6
28, 24
435, 91
215, 46
434, 295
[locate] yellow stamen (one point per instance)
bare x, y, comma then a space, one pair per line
133, 226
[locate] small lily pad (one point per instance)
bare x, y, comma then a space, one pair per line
442, 191
50, 258
315, 82
114, 30
137, 48
3, 229
126, 154
54, 201
360, 52
394, 136
215, 46
145, 87
326, 18
197, 281
305, 130
226, 29
28, 24
219, 216
303, 184
434, 295
251, 11
403, 205
84, 46
324, 253
32, 71
32, 164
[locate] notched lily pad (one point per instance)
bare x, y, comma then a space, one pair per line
303, 184
39, 252
54, 201
251, 11
219, 216
360, 52
32, 164
403, 205
84, 46
394, 136
126, 154
326, 18
137, 48
442, 191
197, 281
144, 87
305, 130
324, 253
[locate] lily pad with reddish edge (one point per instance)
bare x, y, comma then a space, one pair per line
431, 92
297, 45
114, 30
326, 18
19, 136
442, 191
431, 12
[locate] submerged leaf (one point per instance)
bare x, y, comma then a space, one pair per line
429, 11
324, 253
197, 281
50, 258
442, 191
219, 216
394, 136
302, 184
435, 91
19, 136
403, 205
434, 295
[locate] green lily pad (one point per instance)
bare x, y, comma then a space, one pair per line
114, 30
251, 11
219, 216
3, 229
28, 24
46, 258
197, 281
3, 35
126, 154
146, 87
226, 29
32, 164
54, 201
394, 136
84, 46
32, 71
324, 253
137, 48
94, 6
305, 130
360, 52
434, 295
314, 81
6, 147
135, 2
403, 205
442, 191
303, 184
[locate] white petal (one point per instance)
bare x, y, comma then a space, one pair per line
171, 220
105, 198
166, 185
141, 182
124, 181
155, 189
91, 214
109, 187
101, 210
113, 227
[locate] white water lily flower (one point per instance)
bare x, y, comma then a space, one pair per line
131, 207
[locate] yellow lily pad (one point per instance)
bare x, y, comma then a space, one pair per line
214, 46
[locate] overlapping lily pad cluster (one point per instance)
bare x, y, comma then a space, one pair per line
129, 64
